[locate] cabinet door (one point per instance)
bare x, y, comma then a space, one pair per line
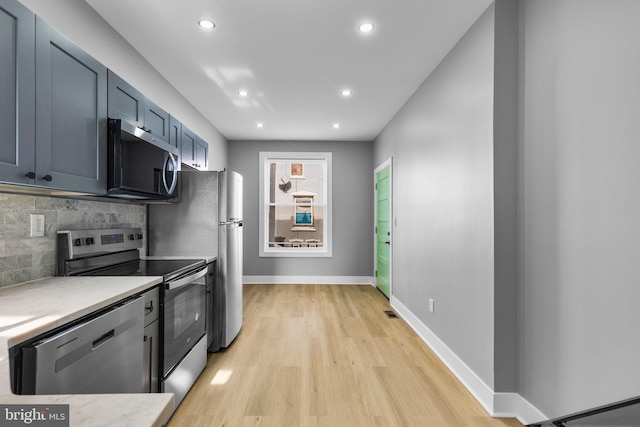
125, 101
156, 122
71, 113
175, 131
202, 150
188, 148
17, 86
150, 360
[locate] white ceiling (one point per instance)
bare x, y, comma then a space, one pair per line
294, 57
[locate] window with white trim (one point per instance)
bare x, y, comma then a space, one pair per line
295, 204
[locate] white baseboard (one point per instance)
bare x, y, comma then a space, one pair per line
499, 405
310, 280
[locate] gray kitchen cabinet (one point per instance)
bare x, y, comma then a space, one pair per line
71, 115
175, 132
129, 104
52, 109
202, 150
194, 150
17, 86
151, 366
156, 122
125, 101
213, 335
188, 148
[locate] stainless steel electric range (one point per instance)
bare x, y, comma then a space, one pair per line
114, 252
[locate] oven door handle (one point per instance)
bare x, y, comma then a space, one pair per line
186, 280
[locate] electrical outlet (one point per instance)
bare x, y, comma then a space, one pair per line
37, 225
432, 304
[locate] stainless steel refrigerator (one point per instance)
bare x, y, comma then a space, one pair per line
207, 222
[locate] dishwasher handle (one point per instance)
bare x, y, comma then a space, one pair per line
103, 339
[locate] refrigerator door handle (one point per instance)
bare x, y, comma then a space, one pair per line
232, 222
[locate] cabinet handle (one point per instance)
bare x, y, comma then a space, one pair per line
47, 178
31, 175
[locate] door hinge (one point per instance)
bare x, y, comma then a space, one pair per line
376, 185
376, 273
376, 229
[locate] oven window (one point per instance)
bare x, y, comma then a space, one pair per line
184, 320
185, 311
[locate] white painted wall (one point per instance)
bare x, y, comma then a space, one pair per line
80, 23
579, 203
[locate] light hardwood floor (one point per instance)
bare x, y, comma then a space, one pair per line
327, 355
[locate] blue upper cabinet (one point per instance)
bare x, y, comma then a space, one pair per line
156, 122
53, 107
17, 86
71, 115
175, 132
202, 152
125, 101
129, 104
194, 150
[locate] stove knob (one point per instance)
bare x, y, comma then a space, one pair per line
89, 241
77, 242
132, 237
139, 236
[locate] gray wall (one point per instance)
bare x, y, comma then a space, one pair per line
505, 195
79, 22
576, 207
580, 203
352, 198
442, 147
25, 258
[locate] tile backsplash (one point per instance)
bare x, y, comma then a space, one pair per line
24, 258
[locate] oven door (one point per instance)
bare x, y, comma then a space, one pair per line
184, 316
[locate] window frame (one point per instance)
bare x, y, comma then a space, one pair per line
294, 157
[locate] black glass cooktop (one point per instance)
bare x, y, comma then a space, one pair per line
167, 268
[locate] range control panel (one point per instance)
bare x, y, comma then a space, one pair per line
73, 244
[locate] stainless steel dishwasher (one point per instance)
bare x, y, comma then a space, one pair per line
101, 354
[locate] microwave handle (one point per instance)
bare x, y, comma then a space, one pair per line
174, 180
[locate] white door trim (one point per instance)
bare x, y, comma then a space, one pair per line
386, 163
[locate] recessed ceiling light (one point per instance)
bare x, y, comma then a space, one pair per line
206, 23
259, 125
243, 93
346, 92
336, 125
366, 27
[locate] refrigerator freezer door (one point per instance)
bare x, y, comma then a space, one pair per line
230, 196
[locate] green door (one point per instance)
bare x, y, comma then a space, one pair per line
383, 230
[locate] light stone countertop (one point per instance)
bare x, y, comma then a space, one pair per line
30, 309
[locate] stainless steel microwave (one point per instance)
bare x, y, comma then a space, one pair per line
140, 168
